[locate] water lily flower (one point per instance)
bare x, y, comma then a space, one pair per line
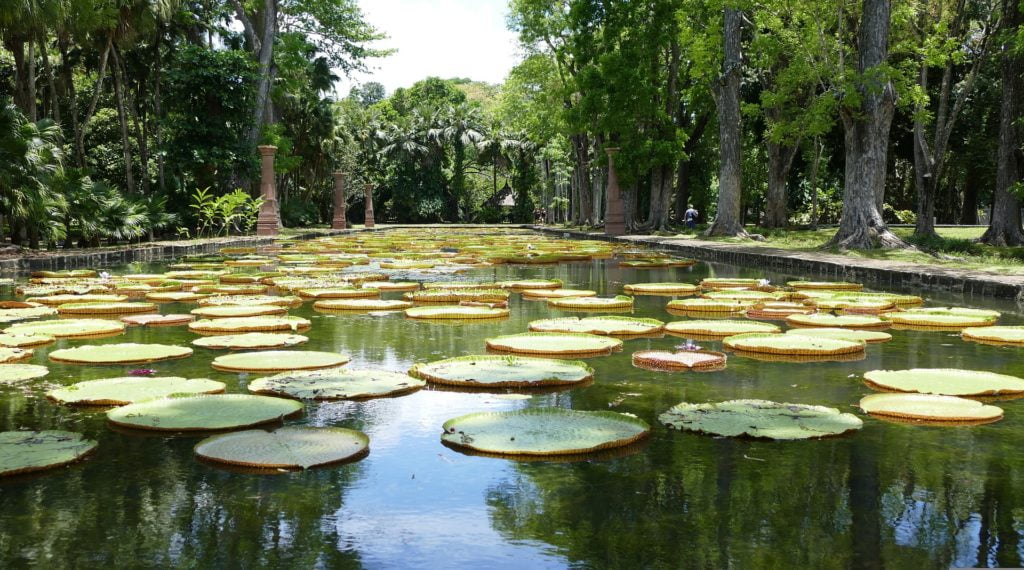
142, 372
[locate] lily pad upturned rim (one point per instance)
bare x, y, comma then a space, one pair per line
218, 409
429, 371
691, 417
717, 328
800, 346
455, 312
837, 321
556, 293
286, 360
26, 340
249, 324
667, 288
20, 372
16, 459
664, 360
937, 408
69, 328
617, 302
244, 341
603, 325
868, 336
361, 305
288, 458
1002, 334
337, 383
229, 311
114, 308
634, 429
913, 380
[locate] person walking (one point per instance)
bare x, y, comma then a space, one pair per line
690, 217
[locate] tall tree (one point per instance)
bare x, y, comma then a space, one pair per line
727, 95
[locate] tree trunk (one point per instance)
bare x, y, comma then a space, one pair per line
30, 66
16, 46
123, 120
969, 212
780, 160
97, 89
866, 138
1004, 226
581, 150
51, 82
819, 148
264, 56
69, 83
727, 221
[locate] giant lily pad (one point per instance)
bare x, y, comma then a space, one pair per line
403, 286
250, 300
503, 371
458, 295
121, 353
930, 408
157, 320
996, 334
826, 285
250, 341
68, 328
837, 321
226, 311
12, 373
56, 300
203, 412
531, 284
278, 361
361, 305
745, 295
721, 328
660, 288
680, 360
710, 305
945, 381
174, 297
617, 326
792, 344
729, 283
105, 308
843, 334
456, 312
760, 418
543, 431
943, 317
249, 324
32, 311
284, 448
131, 389
8, 354
339, 293
17, 340
554, 343
337, 384
557, 293
617, 302
27, 451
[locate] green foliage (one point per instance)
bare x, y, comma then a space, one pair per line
234, 212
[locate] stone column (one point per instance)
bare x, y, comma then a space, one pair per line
368, 190
339, 223
268, 222
614, 216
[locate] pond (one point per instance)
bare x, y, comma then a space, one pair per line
887, 495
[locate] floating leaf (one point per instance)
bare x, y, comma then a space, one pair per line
278, 361
105, 308
361, 305
843, 334
945, 381
249, 324
17, 340
250, 341
610, 325
543, 431
27, 451
837, 321
682, 360
760, 418
617, 302
557, 293
661, 288
68, 328
929, 407
719, 328
226, 311
12, 373
456, 312
336, 384
997, 334
121, 353
203, 413
157, 320
284, 448
131, 389
554, 343
503, 371
792, 344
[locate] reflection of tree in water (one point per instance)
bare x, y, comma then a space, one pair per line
693, 501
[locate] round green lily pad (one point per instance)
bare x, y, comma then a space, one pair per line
837, 321
745, 295
455, 312
339, 293
599, 325
56, 300
8, 354
337, 384
945, 381
557, 293
930, 408
225, 311
996, 334
174, 297
760, 418
843, 334
503, 371
660, 288
531, 284
68, 328
792, 344
284, 448
250, 341
721, 328
131, 389
250, 300
10, 315
203, 412
120, 353
955, 317
249, 324
403, 286
729, 282
826, 285
710, 305
27, 451
543, 431
617, 302
554, 343
679, 360
105, 308
278, 361
11, 373
361, 305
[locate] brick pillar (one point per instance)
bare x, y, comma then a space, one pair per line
368, 189
614, 216
268, 222
339, 222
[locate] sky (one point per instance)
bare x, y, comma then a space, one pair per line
443, 38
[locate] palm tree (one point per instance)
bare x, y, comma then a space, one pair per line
29, 154
462, 126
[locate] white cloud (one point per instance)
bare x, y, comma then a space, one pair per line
443, 38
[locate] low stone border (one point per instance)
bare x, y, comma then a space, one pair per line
876, 273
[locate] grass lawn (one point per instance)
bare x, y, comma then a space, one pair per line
956, 247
